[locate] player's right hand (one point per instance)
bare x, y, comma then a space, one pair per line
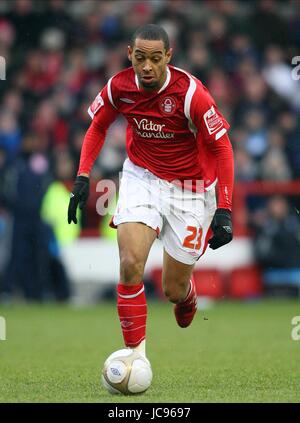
79, 195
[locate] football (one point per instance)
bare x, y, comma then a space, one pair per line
126, 372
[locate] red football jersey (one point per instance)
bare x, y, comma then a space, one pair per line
170, 131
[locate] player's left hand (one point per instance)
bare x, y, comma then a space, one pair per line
221, 226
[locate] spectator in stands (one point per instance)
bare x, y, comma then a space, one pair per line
278, 75
56, 199
277, 241
56, 229
290, 128
26, 182
274, 166
10, 134
5, 220
245, 167
268, 25
256, 142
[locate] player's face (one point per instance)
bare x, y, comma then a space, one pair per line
149, 60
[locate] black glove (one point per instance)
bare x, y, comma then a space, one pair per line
221, 226
79, 195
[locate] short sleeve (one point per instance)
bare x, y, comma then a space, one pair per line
206, 116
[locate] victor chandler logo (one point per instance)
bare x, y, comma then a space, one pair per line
147, 129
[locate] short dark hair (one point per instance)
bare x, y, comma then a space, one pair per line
151, 32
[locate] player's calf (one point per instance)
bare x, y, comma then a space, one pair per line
176, 293
186, 309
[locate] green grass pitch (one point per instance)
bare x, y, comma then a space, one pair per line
233, 352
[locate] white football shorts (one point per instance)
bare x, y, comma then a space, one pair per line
180, 217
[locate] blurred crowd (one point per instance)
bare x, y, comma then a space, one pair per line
60, 53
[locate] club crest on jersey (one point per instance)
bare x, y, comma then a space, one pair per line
212, 120
97, 103
167, 105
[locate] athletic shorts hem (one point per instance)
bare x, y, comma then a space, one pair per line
135, 219
182, 258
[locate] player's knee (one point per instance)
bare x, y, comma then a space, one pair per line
132, 269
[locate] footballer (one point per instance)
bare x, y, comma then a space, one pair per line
178, 149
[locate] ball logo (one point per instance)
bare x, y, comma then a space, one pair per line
115, 371
167, 105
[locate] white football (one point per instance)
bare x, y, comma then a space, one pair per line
126, 372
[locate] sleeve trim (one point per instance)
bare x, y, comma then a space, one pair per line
220, 133
189, 94
110, 93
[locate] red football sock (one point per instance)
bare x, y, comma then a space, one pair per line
132, 310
